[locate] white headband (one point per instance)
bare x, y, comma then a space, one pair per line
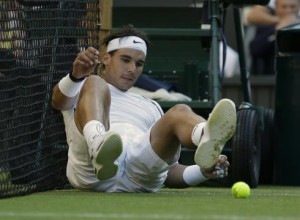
132, 42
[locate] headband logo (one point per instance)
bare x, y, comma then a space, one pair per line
136, 42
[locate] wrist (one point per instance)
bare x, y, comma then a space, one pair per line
204, 173
74, 79
68, 87
192, 175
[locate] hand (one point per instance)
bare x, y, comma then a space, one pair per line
287, 20
219, 170
85, 62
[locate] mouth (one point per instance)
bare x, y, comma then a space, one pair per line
128, 78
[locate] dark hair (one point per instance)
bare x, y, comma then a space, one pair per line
127, 30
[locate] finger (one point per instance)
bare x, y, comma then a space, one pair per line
224, 164
225, 168
227, 164
93, 50
223, 161
82, 63
90, 56
222, 158
93, 57
93, 53
218, 167
86, 59
219, 173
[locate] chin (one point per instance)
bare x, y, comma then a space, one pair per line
125, 88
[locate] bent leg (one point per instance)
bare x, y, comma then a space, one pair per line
173, 129
177, 125
181, 126
92, 120
93, 103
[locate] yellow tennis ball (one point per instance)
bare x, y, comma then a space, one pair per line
240, 190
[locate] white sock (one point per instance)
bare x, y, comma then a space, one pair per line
197, 133
91, 130
192, 175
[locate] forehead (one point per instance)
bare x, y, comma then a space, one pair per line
130, 53
288, 2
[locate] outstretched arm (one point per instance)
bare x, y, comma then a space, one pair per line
182, 176
261, 15
66, 91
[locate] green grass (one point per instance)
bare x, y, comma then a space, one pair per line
265, 202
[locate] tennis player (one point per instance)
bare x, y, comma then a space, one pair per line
122, 142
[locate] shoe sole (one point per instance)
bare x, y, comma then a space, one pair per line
220, 127
109, 150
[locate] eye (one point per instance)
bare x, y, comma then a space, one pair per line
125, 60
139, 64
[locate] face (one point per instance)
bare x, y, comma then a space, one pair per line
124, 67
287, 7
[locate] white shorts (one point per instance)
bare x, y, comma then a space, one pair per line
140, 169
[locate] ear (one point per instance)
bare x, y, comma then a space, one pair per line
106, 59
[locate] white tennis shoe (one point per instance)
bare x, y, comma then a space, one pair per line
105, 155
218, 129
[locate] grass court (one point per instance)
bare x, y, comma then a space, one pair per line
265, 203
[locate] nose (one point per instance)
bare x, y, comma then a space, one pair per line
131, 67
290, 9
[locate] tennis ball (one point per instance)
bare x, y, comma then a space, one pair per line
240, 190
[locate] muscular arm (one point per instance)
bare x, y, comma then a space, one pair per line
260, 15
60, 101
83, 65
175, 174
175, 177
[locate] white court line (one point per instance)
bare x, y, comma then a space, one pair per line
228, 192
137, 216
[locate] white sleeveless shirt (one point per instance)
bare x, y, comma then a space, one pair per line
132, 110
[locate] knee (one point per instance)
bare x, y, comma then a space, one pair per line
95, 84
81, 179
94, 90
180, 110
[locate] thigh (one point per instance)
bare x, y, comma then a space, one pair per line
173, 129
143, 167
78, 149
80, 171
